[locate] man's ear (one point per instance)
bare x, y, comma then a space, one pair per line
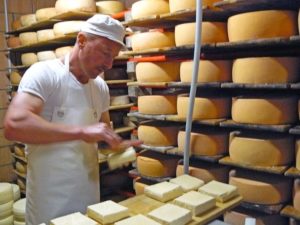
81, 39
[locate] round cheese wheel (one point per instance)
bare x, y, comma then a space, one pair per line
62, 51
261, 70
17, 193
204, 108
177, 5
62, 6
13, 42
268, 111
45, 13
261, 150
7, 221
15, 78
66, 27
157, 71
262, 24
19, 151
147, 8
16, 24
28, 59
21, 168
19, 209
212, 32
209, 71
6, 193
157, 104
46, 55
204, 142
21, 183
6, 210
110, 7
152, 39
119, 100
28, 38
45, 35
28, 19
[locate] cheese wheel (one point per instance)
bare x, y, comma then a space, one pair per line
17, 193
13, 42
204, 108
177, 5
28, 19
157, 71
147, 8
6, 210
209, 71
28, 38
46, 55
152, 39
261, 70
7, 221
268, 192
268, 111
45, 13
212, 32
21, 168
21, 183
204, 143
15, 77
158, 134
45, 35
62, 51
110, 7
16, 24
153, 164
262, 24
261, 150
6, 193
119, 100
157, 104
67, 27
19, 151
28, 59
19, 208
62, 6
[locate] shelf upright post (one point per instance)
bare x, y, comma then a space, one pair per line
6, 31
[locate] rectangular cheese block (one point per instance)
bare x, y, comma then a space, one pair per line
137, 220
73, 219
163, 191
187, 182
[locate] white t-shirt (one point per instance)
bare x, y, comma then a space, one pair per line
50, 81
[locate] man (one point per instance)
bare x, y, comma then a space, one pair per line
56, 113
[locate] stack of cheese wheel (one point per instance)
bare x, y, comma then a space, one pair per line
211, 107
262, 24
13, 42
27, 20
205, 142
152, 39
158, 134
145, 8
212, 32
6, 203
21, 183
15, 78
21, 167
261, 149
139, 185
262, 70
45, 35
45, 13
157, 104
177, 5
209, 71
28, 59
62, 51
157, 71
19, 211
154, 164
262, 110
115, 74
46, 55
264, 189
28, 38
19, 151
67, 27
296, 194
16, 24
110, 7
62, 6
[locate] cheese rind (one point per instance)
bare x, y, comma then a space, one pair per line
187, 182
15, 77
46, 55
146, 8
28, 38
45, 13
28, 19
67, 27
73, 218
157, 104
177, 5
110, 7
45, 35
137, 220
20, 167
62, 6
62, 51
13, 42
6, 193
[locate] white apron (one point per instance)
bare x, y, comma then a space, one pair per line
63, 177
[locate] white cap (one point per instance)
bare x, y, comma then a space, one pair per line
105, 26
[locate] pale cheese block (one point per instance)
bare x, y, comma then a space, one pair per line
221, 191
19, 151
28, 38
209, 71
265, 70
62, 51
265, 111
157, 104
137, 220
171, 214
19, 209
178, 5
152, 39
116, 160
187, 182
45, 13
73, 219
164, 191
107, 212
13, 42
28, 19
204, 142
158, 134
195, 201
152, 164
148, 8
7, 221
16, 24
45, 35
262, 24
212, 32
6, 210
17, 193
62, 6
67, 27
21, 168
15, 77
110, 7
261, 150
6, 193
157, 71
204, 107
268, 192
46, 55
119, 100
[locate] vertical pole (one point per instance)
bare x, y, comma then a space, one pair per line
7, 30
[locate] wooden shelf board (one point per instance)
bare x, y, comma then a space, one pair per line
123, 129
112, 82
269, 209
256, 86
116, 107
292, 172
73, 15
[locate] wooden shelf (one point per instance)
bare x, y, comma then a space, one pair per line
116, 82
123, 129
295, 130
174, 84
116, 107
292, 172
269, 209
256, 86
